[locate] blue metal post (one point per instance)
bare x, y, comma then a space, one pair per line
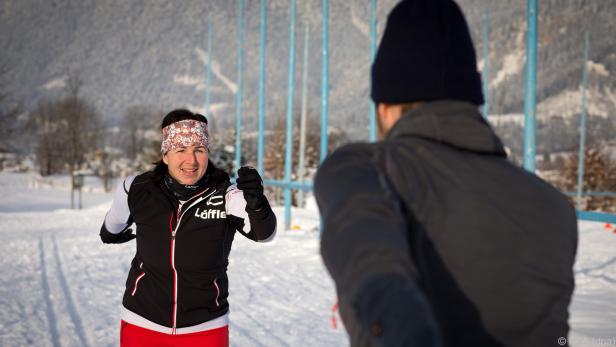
324, 79
289, 141
596, 216
486, 63
302, 126
372, 54
530, 88
208, 78
238, 99
261, 87
580, 182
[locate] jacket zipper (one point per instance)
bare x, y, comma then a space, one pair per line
137, 283
217, 291
175, 275
174, 231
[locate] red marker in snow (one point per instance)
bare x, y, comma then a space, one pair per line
608, 226
334, 309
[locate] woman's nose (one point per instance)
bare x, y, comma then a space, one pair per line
191, 157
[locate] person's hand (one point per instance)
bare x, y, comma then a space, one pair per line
123, 236
250, 183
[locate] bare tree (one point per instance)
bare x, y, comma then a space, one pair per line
48, 149
599, 176
136, 141
137, 122
276, 145
9, 124
73, 82
68, 129
274, 160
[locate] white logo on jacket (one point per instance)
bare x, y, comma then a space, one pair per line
210, 214
215, 200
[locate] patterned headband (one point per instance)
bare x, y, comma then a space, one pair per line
185, 133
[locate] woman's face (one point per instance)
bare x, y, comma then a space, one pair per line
187, 165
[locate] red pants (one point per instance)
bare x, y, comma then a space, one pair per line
134, 336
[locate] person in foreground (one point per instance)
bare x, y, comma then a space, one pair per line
186, 212
432, 236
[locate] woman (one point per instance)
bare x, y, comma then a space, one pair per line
186, 212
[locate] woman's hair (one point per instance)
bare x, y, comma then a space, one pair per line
181, 114
160, 168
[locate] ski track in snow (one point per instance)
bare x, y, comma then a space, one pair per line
60, 286
72, 311
63, 319
51, 316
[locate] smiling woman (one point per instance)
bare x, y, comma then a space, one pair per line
185, 146
187, 165
186, 212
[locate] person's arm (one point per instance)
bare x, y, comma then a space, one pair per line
115, 228
248, 209
365, 248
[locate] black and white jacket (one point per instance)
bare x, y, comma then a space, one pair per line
177, 282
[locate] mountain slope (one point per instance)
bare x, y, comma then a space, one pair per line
154, 52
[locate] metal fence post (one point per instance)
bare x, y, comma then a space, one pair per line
486, 64
289, 133
238, 99
261, 87
580, 178
324, 79
302, 123
530, 89
208, 78
373, 35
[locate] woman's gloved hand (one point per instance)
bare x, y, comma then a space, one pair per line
250, 183
124, 236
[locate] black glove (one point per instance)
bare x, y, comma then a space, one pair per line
121, 237
249, 181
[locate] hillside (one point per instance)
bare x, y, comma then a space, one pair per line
154, 53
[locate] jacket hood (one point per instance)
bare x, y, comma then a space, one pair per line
454, 123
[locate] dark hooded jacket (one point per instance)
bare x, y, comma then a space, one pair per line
433, 237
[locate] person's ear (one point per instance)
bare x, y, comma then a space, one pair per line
381, 108
165, 160
389, 113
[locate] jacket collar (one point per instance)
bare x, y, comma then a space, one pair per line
454, 123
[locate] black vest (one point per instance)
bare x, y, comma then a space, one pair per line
178, 275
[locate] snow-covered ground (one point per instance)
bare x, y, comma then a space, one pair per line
60, 286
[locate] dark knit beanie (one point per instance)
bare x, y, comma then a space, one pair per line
426, 53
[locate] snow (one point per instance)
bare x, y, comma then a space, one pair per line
597, 68
359, 22
513, 63
189, 80
500, 119
59, 82
594, 303
60, 286
217, 70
